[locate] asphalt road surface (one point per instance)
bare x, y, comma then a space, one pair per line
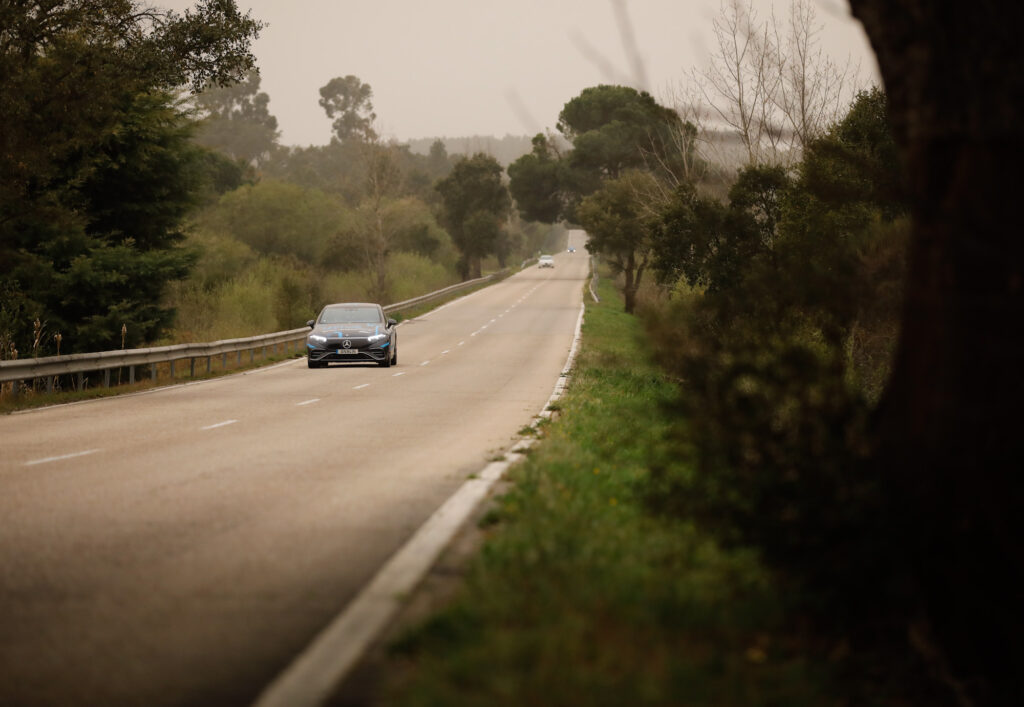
180, 547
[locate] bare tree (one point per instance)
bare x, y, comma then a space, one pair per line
733, 82
772, 85
812, 89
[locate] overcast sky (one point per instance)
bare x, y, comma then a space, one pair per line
457, 68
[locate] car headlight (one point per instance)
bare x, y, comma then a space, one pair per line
318, 339
377, 337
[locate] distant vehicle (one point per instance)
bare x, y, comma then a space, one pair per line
352, 332
571, 249
546, 261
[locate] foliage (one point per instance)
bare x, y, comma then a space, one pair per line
618, 228
349, 102
475, 204
274, 217
237, 122
96, 168
771, 349
612, 129
535, 182
579, 596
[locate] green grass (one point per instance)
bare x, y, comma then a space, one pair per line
580, 596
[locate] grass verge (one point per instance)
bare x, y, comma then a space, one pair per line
581, 596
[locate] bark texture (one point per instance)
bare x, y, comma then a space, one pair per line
949, 430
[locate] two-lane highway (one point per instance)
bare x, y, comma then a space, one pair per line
179, 547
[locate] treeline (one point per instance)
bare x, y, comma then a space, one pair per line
777, 297
358, 219
131, 216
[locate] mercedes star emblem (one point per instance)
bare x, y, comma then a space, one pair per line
346, 344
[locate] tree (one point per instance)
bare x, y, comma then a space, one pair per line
535, 182
382, 184
619, 228
96, 168
475, 205
612, 129
774, 88
948, 432
236, 120
348, 101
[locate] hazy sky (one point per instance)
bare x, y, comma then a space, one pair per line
485, 67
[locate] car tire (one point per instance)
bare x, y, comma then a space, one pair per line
314, 364
394, 359
386, 363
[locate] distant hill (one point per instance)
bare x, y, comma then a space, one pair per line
504, 149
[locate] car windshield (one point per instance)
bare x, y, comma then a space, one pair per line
351, 315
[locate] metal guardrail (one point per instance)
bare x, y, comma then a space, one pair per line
49, 367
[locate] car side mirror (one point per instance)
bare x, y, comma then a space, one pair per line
310, 323
392, 322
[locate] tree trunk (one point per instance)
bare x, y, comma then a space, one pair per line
948, 430
628, 286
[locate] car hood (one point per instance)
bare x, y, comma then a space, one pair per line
345, 331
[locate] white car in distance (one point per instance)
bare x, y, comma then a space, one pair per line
546, 261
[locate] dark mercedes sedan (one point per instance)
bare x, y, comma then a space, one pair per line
352, 332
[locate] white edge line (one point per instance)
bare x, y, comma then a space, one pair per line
47, 460
320, 668
360, 387
402, 373
307, 402
219, 424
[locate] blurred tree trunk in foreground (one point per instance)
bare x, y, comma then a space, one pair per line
949, 427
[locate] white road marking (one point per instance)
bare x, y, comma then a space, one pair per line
47, 460
425, 363
398, 374
360, 387
317, 670
446, 351
461, 343
219, 424
307, 402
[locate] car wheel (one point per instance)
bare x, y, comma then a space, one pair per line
394, 359
386, 363
314, 364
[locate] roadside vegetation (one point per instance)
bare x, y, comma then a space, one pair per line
581, 595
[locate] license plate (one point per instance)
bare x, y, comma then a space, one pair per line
348, 351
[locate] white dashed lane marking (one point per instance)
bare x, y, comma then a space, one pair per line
62, 457
219, 424
360, 387
307, 402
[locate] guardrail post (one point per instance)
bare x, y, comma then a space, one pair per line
191, 368
172, 368
209, 363
252, 355
152, 371
106, 377
49, 384
131, 375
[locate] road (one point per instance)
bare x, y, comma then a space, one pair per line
179, 547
